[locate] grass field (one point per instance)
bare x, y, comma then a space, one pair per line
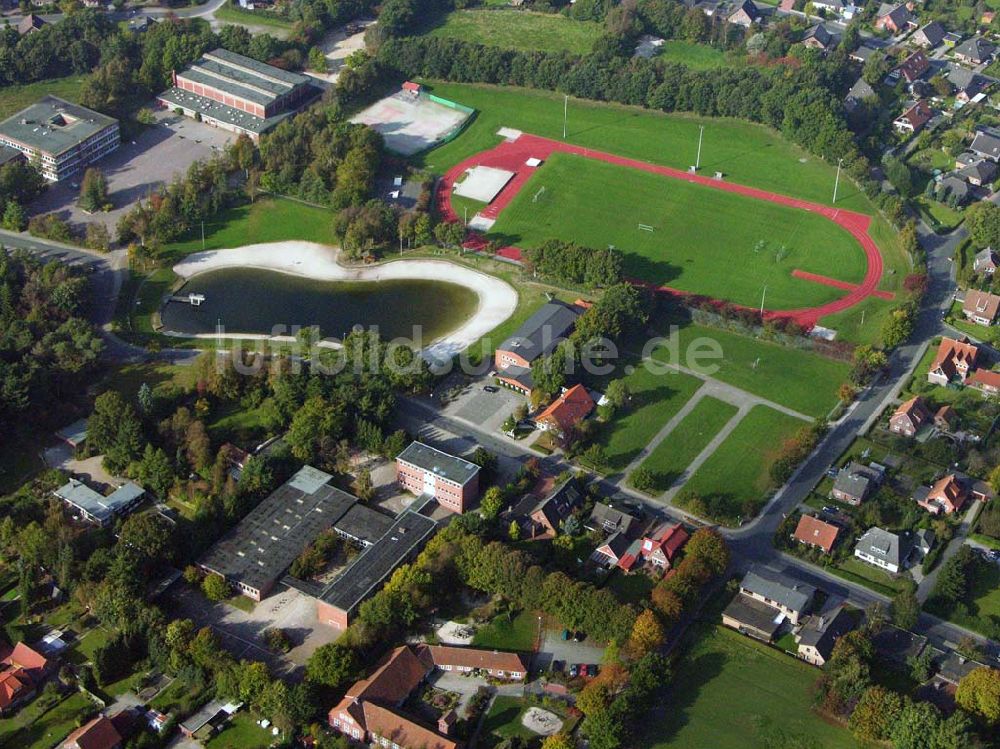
241, 733
746, 153
16, 98
517, 29
695, 56
267, 220
655, 399
795, 378
864, 574
502, 633
241, 17
33, 729
735, 478
687, 440
504, 719
731, 692
697, 232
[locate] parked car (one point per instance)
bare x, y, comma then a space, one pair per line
592, 670
574, 671
490, 388
579, 636
558, 666
565, 634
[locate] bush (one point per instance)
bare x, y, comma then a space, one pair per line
215, 587
50, 226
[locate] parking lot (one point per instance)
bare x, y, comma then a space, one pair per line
487, 410
138, 167
554, 648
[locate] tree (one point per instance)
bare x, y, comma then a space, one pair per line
647, 635
14, 217
363, 486
979, 693
145, 399
148, 533
114, 429
875, 714
332, 665
317, 60
709, 547
897, 327
316, 420
617, 393
559, 741
215, 587
905, 608
514, 531
491, 503
93, 190
643, 479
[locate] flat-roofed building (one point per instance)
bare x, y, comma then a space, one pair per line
255, 554
339, 601
237, 93
424, 470
95, 507
62, 138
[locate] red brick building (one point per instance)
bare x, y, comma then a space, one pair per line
909, 417
453, 482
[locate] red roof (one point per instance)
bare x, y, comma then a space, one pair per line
99, 733
491, 660
402, 730
812, 530
953, 352
411, 86
986, 378
669, 539
915, 409
569, 409
13, 683
23, 656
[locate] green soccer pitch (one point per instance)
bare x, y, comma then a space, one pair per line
689, 237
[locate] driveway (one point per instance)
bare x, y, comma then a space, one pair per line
487, 410
138, 167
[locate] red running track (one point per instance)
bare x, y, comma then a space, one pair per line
511, 155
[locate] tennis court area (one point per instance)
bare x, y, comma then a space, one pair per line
412, 122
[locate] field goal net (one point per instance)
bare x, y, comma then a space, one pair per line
646, 228
539, 195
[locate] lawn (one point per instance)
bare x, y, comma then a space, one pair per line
736, 477
795, 378
238, 16
941, 217
160, 376
241, 733
517, 29
864, 574
266, 220
695, 56
733, 692
697, 230
504, 719
744, 152
687, 440
49, 728
655, 399
504, 633
16, 98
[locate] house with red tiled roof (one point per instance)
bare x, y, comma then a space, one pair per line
986, 381
566, 411
100, 733
499, 665
812, 531
661, 548
909, 417
946, 419
22, 670
913, 119
946, 496
955, 360
981, 307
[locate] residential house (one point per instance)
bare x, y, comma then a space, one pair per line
986, 381
818, 37
929, 36
787, 595
608, 519
497, 664
860, 92
96, 508
975, 51
537, 337
955, 360
914, 118
565, 412
812, 531
551, 512
966, 158
909, 417
980, 174
31, 23
752, 617
894, 18
863, 53
22, 670
883, 549
950, 493
954, 187
981, 307
614, 550
898, 645
745, 14
855, 482
830, 6
661, 547
986, 144
99, 733
819, 635
966, 84
914, 67
946, 419
986, 261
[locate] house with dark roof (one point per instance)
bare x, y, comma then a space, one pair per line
551, 512
980, 174
537, 337
863, 53
981, 307
753, 618
812, 531
897, 645
789, 596
819, 635
929, 36
894, 18
986, 261
613, 550
953, 187
946, 419
914, 118
914, 66
909, 417
31, 23
608, 519
883, 549
975, 51
855, 482
745, 14
986, 144
819, 37
955, 360
860, 92
966, 84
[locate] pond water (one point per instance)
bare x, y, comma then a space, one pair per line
248, 300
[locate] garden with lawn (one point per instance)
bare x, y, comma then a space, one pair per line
731, 692
36, 727
520, 29
695, 56
509, 632
675, 233
734, 481
242, 732
656, 397
17, 97
692, 435
503, 721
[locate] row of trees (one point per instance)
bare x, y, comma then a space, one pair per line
568, 262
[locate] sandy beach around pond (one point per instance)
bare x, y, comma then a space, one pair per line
497, 299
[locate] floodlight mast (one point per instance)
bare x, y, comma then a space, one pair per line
697, 160
836, 182
565, 113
